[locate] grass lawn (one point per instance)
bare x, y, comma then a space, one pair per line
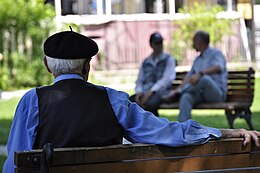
7, 108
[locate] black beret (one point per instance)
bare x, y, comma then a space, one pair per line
70, 45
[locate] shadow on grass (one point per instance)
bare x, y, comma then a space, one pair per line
5, 125
2, 160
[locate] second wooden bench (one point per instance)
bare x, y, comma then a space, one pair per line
240, 96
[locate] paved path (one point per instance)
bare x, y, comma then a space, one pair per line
3, 150
11, 94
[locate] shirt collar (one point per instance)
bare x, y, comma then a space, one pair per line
67, 76
159, 57
205, 51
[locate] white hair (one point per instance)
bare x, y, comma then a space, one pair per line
65, 66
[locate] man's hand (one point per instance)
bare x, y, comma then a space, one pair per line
242, 133
195, 78
139, 98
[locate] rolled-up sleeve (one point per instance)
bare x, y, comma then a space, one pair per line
143, 127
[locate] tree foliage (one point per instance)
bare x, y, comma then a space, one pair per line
198, 17
24, 24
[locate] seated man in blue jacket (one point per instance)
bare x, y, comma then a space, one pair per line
207, 79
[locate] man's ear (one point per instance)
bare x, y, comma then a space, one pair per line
46, 64
86, 68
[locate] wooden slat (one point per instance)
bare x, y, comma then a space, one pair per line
239, 95
227, 153
241, 91
223, 105
246, 83
240, 102
241, 77
169, 106
239, 99
249, 71
241, 83
169, 165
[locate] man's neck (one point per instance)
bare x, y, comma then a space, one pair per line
203, 49
155, 54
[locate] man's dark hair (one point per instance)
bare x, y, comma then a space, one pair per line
203, 35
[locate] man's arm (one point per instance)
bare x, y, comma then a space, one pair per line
142, 126
23, 130
211, 70
192, 78
216, 64
160, 131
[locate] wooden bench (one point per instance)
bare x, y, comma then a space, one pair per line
226, 155
240, 96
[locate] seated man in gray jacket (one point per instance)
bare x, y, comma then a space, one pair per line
155, 76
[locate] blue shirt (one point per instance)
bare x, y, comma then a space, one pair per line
140, 126
209, 58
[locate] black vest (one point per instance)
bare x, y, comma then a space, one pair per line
74, 113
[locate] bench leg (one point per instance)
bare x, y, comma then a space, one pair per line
241, 113
231, 116
248, 117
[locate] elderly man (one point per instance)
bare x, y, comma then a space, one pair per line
75, 113
207, 79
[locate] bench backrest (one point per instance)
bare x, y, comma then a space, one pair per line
220, 155
240, 84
